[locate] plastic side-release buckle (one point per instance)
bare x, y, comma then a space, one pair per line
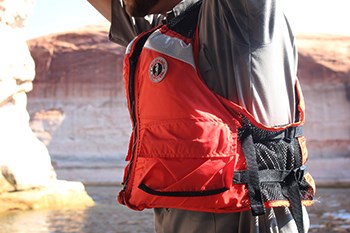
299, 173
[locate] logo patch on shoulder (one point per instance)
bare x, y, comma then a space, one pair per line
158, 69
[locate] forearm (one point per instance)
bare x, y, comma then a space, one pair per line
103, 6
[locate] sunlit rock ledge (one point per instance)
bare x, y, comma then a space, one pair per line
58, 195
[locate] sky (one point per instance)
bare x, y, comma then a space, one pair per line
50, 16
319, 16
306, 16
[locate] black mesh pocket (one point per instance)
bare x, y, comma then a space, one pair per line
276, 151
276, 155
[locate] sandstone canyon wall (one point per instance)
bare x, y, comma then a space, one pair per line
324, 71
78, 104
27, 178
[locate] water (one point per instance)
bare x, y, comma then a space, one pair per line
331, 213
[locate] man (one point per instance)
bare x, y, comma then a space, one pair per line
246, 55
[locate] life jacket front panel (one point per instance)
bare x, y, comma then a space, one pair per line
183, 136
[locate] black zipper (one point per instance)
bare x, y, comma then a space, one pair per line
133, 60
133, 115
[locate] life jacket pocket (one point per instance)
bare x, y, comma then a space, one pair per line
187, 138
186, 157
186, 177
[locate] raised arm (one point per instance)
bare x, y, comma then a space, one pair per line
103, 6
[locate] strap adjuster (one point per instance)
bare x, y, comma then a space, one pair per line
297, 174
292, 132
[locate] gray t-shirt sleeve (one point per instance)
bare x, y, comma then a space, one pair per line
247, 55
125, 28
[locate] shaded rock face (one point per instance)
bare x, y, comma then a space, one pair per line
78, 103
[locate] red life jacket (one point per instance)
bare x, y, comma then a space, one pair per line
190, 147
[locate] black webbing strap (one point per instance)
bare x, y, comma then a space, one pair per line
287, 134
293, 194
254, 192
253, 177
291, 188
293, 132
265, 176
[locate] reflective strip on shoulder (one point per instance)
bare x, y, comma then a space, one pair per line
128, 48
171, 46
